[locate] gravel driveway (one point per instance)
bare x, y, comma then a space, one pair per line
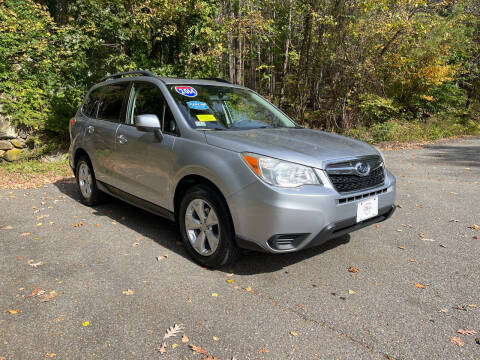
108, 282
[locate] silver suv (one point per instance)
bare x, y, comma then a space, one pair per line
230, 168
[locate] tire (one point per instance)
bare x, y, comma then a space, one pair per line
89, 195
204, 249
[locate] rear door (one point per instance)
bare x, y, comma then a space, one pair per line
144, 164
101, 131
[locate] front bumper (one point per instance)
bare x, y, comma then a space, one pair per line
281, 220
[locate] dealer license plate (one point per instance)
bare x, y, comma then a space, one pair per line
367, 209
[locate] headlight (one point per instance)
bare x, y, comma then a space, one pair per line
383, 156
280, 173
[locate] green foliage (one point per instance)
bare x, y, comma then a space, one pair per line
376, 109
386, 69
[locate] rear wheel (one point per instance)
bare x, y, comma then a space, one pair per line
87, 184
206, 228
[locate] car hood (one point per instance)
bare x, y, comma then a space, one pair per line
303, 146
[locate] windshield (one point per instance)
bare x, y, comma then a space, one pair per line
210, 107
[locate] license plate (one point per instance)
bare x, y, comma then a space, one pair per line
367, 209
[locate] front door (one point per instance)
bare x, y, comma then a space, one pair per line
144, 164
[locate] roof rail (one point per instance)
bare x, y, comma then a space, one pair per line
119, 75
217, 79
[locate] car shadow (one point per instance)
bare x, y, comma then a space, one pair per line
164, 232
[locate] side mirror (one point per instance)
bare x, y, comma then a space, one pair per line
149, 123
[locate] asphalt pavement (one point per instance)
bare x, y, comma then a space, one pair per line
107, 282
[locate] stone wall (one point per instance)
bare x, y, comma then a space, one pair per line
12, 143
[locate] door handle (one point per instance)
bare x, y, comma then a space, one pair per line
90, 129
122, 139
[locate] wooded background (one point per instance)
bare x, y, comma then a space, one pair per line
374, 69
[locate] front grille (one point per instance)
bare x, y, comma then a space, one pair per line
349, 182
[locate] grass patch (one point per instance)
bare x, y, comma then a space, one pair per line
37, 166
435, 128
33, 173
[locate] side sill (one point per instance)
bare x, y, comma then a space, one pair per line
136, 201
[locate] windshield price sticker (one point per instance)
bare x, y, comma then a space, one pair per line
186, 91
206, 117
197, 105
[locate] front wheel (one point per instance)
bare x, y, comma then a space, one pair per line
206, 228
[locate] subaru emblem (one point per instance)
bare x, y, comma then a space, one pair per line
362, 169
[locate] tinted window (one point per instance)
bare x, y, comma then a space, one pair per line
91, 104
112, 100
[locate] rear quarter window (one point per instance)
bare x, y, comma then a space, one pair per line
90, 105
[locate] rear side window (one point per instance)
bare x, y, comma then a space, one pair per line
110, 108
91, 104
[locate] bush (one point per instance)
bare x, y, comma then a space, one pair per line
376, 109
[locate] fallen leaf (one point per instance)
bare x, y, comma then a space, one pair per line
262, 350
85, 323
184, 339
474, 227
293, 333
444, 311
198, 349
378, 226
173, 331
215, 338
352, 269
401, 247
412, 260
13, 312
50, 355
135, 244
78, 224
454, 220
163, 349
475, 237
39, 224
37, 291
466, 332
230, 281
26, 234
35, 265
7, 227
189, 300
174, 346
352, 292
230, 274
248, 288
19, 258
165, 256
128, 292
457, 341
421, 235
96, 225
399, 230
473, 305
418, 285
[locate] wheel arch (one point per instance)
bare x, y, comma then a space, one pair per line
78, 154
186, 183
